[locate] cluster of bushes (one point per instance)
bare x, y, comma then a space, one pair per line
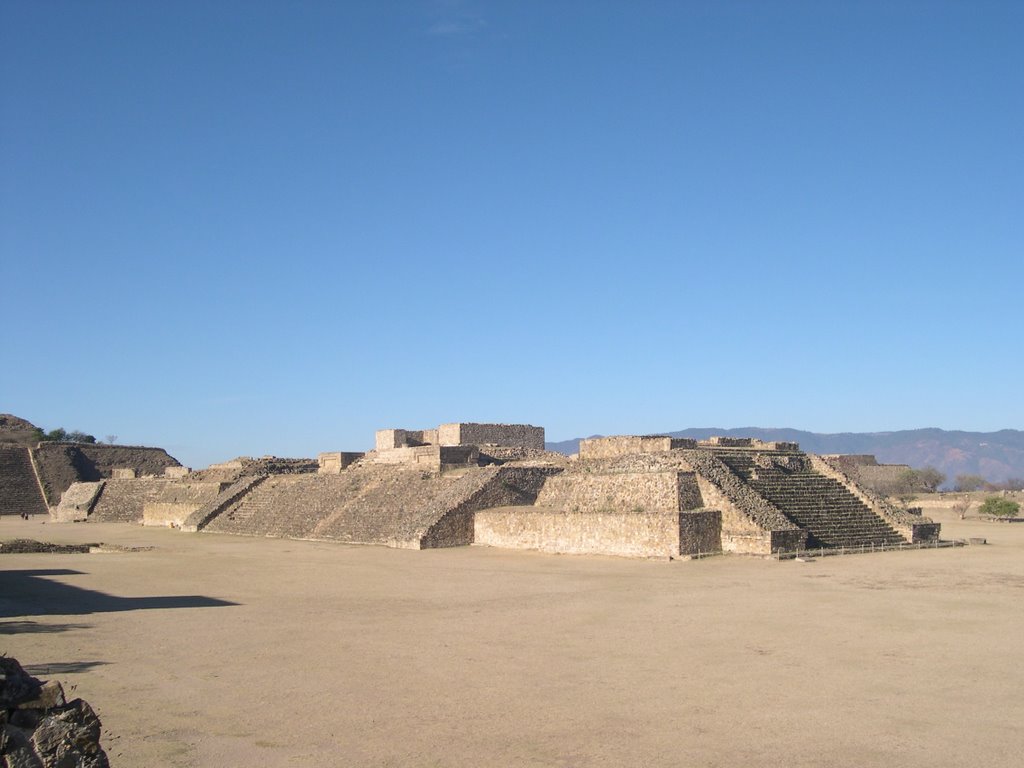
966, 483
998, 506
911, 482
927, 480
61, 435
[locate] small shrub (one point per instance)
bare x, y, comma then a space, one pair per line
999, 507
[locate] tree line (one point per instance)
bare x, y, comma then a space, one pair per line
910, 482
61, 435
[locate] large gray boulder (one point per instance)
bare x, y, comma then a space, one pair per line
39, 728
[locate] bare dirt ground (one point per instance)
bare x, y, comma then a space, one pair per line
212, 650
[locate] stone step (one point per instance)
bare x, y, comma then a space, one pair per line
824, 507
19, 489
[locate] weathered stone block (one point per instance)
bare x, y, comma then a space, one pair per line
512, 435
331, 463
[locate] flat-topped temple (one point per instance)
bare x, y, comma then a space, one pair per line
495, 484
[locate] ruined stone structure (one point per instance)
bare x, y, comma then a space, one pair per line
652, 495
637, 496
457, 445
868, 473
34, 477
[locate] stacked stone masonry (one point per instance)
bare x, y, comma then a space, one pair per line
77, 502
508, 435
638, 496
124, 501
610, 447
175, 502
61, 464
376, 505
831, 515
19, 489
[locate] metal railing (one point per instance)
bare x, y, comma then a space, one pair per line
866, 548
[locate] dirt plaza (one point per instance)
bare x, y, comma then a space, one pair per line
216, 650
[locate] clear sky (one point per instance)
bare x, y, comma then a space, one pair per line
273, 227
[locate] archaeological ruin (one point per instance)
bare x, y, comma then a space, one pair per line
484, 484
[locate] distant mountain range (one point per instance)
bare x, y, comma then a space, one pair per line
996, 456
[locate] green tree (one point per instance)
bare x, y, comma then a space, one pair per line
61, 435
905, 486
930, 478
998, 506
969, 482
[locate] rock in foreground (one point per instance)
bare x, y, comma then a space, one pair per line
40, 729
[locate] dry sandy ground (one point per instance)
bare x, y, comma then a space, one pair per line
215, 650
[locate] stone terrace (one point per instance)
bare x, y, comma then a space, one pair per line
646, 496
376, 505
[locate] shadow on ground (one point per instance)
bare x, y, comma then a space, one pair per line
46, 669
34, 627
28, 593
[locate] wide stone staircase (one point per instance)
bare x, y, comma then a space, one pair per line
832, 516
123, 501
282, 505
19, 490
376, 505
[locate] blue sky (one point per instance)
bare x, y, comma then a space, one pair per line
272, 227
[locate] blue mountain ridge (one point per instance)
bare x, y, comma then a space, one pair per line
996, 456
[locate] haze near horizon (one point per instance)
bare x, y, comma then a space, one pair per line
257, 228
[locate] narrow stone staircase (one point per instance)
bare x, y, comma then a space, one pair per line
280, 506
19, 490
832, 516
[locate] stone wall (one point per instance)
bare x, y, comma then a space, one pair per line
123, 501
332, 462
147, 462
430, 458
622, 533
370, 504
700, 532
176, 501
730, 442
513, 435
19, 489
500, 454
621, 445
585, 489
511, 487
740, 533
748, 520
61, 464
865, 470
600, 508
77, 502
387, 439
